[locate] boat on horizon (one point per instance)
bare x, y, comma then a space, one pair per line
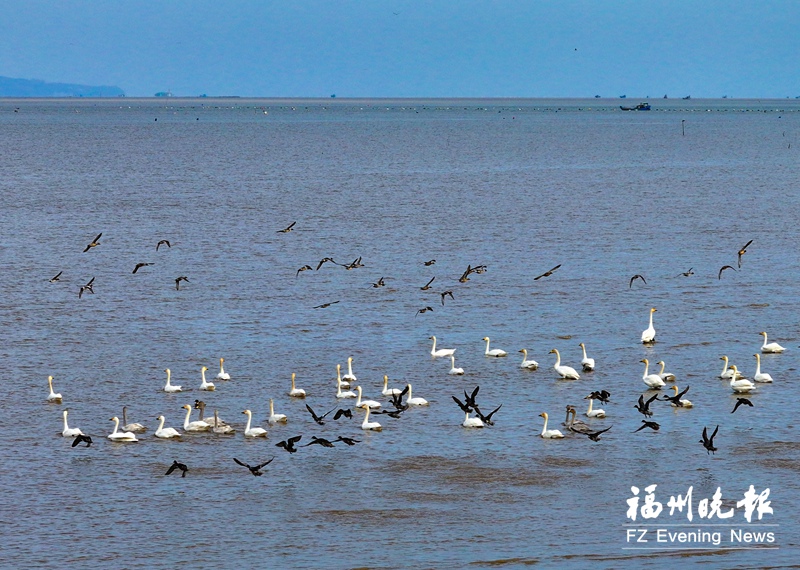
639, 107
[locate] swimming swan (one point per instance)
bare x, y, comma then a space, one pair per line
727, 373
771, 347
296, 392
649, 334
219, 426
130, 427
494, 352
339, 380
598, 413
741, 385
415, 401
207, 386
665, 376
653, 381
453, 369
760, 376
169, 387
349, 377
566, 372
529, 364
388, 391
273, 417
222, 374
442, 351
120, 435
68, 431
346, 393
586, 362
368, 425
53, 397
255, 431
472, 422
549, 433
165, 433
193, 426
365, 403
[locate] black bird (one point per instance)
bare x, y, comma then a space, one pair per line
304, 268
465, 276
319, 441
425, 288
379, 283
445, 294
464, 407
391, 413
140, 265
708, 442
676, 399
724, 267
325, 260
88, 287
740, 401
288, 445
342, 412
743, 251
595, 435
634, 278
57, 277
80, 438
644, 407
547, 273
348, 440
178, 281
645, 424
397, 400
429, 263
255, 470
480, 269
470, 399
163, 242
424, 310
325, 305
601, 396
355, 265
487, 419
318, 419
175, 465
688, 273
287, 229
95, 243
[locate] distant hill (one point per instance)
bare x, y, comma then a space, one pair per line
13, 87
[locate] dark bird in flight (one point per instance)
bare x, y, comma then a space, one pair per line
88, 287
425, 288
95, 243
287, 229
487, 419
634, 278
743, 251
57, 277
429, 263
163, 242
397, 400
255, 469
342, 412
688, 273
465, 276
480, 269
140, 265
424, 310
175, 465
355, 265
318, 419
601, 396
319, 441
724, 267
445, 294
645, 424
304, 268
80, 438
288, 445
740, 401
708, 442
178, 281
594, 436
325, 305
379, 283
676, 399
464, 407
644, 407
547, 273
325, 260
348, 440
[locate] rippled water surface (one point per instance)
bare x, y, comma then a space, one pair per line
518, 186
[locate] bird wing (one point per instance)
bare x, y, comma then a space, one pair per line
171, 468
711, 439
464, 408
240, 463
428, 283
705, 435
295, 439
647, 404
644, 425
313, 415
744, 247
267, 462
682, 393
490, 414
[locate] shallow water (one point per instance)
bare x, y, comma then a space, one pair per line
519, 186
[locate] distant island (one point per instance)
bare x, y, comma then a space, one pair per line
13, 87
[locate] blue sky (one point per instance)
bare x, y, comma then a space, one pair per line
405, 48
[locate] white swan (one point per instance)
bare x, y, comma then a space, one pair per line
741, 385
169, 387
495, 351
339, 380
296, 392
598, 413
771, 347
649, 334
165, 433
365, 403
549, 433
68, 431
201, 405
442, 352
273, 417
389, 391
368, 425
727, 373
207, 386
653, 381
346, 393
665, 376
411, 401
222, 374
349, 377
684, 403
760, 376
529, 364
586, 362
134, 427
120, 435
472, 422
219, 426
255, 431
566, 372
193, 426
453, 369
53, 397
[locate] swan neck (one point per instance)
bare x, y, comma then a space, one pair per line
646, 368
186, 421
558, 360
591, 401
247, 427
544, 429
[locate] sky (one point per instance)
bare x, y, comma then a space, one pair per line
407, 48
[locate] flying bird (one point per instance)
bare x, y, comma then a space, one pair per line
687, 273
139, 266
318, 419
341, 412
547, 273
57, 277
634, 278
325, 305
319, 441
594, 436
425, 288
740, 401
88, 287
644, 407
601, 396
445, 294
646, 424
288, 445
708, 442
178, 281
676, 399
325, 260
175, 465
80, 438
429, 263
255, 469
287, 229
424, 310
348, 440
379, 283
465, 276
304, 268
724, 267
95, 243
743, 251
163, 242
